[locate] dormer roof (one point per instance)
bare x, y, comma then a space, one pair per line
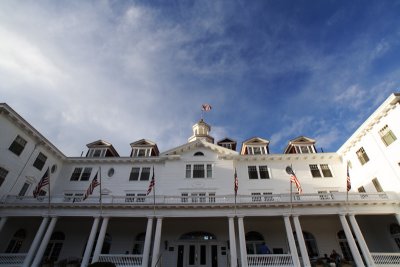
254, 141
299, 141
101, 144
227, 143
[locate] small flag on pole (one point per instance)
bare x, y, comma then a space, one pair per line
206, 107
293, 179
42, 183
236, 183
91, 187
151, 185
348, 178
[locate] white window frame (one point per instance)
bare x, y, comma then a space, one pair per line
256, 150
258, 169
208, 169
101, 151
387, 135
141, 152
320, 169
140, 173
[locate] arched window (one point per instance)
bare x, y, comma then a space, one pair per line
54, 246
138, 244
344, 246
311, 244
254, 241
198, 236
395, 232
16, 242
198, 153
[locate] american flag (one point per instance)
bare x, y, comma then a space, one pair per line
236, 183
42, 183
91, 187
152, 183
348, 178
206, 107
293, 179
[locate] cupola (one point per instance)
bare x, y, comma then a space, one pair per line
201, 132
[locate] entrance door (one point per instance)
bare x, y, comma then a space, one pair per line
198, 255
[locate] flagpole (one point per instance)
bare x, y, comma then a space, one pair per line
101, 200
154, 194
49, 208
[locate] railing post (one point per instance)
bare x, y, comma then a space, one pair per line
90, 242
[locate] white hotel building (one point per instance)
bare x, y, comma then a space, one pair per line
193, 218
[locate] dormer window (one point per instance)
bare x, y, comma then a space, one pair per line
97, 152
256, 150
144, 149
141, 152
304, 149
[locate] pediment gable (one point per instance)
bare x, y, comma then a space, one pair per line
255, 140
142, 142
98, 143
302, 139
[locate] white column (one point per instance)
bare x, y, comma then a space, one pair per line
302, 244
242, 243
157, 242
397, 217
350, 240
232, 242
35, 243
361, 241
100, 240
45, 241
292, 243
89, 245
2, 222
147, 242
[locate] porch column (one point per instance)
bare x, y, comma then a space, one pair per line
292, 243
351, 241
157, 242
232, 241
35, 243
302, 244
90, 242
147, 242
3, 222
242, 243
45, 241
397, 217
100, 240
361, 241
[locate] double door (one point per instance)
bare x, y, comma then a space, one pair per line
197, 254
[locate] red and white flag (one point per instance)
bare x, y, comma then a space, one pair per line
42, 183
236, 183
152, 184
206, 107
293, 179
348, 179
95, 182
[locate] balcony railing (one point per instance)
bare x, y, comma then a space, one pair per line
386, 259
270, 260
12, 259
270, 199
122, 260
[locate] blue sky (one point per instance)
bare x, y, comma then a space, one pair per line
120, 71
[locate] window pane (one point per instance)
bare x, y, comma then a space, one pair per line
3, 174
377, 185
86, 174
325, 170
209, 170
144, 176
387, 135
23, 189
18, 145
40, 161
198, 171
134, 174
314, 170
362, 156
264, 172
188, 171
76, 174
253, 172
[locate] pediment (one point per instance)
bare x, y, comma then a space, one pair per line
143, 142
99, 143
256, 140
302, 139
195, 145
226, 140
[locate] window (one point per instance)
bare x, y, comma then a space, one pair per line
311, 244
97, 152
40, 161
344, 246
199, 153
325, 170
395, 232
18, 145
79, 175
315, 171
377, 185
54, 246
140, 173
138, 244
23, 190
362, 156
199, 171
254, 241
141, 152
3, 175
261, 171
304, 149
16, 242
256, 150
387, 135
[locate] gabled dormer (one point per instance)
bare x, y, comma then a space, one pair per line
101, 149
228, 143
144, 148
201, 131
255, 146
300, 145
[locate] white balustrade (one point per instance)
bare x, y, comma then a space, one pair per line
270, 260
386, 259
12, 259
122, 260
